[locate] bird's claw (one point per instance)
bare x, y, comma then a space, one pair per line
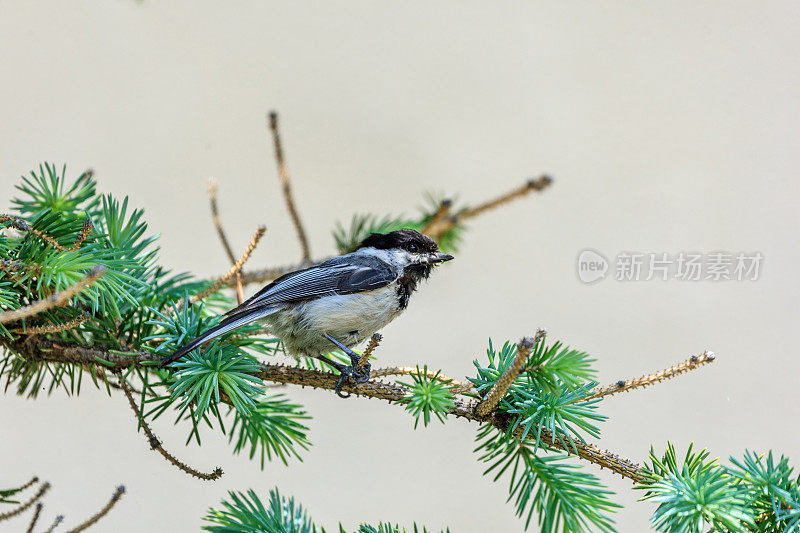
357, 374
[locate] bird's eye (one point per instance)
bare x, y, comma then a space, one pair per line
411, 248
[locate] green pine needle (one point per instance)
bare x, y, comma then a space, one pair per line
427, 396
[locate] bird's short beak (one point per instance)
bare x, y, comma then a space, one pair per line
440, 258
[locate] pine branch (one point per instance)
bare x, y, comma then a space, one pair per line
695, 361
58, 299
155, 443
286, 183
371, 389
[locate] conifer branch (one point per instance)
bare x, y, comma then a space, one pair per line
695, 361
376, 389
286, 184
102, 512
22, 508
54, 328
511, 374
57, 299
228, 276
36, 512
155, 443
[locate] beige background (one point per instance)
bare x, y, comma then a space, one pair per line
669, 126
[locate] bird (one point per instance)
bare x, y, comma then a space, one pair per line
337, 303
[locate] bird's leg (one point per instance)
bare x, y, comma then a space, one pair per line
359, 374
344, 372
354, 357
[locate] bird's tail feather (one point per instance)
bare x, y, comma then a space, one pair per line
222, 328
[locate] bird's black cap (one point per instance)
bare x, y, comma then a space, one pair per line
401, 238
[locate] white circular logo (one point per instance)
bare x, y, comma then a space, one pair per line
591, 265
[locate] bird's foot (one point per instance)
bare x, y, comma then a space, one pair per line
355, 373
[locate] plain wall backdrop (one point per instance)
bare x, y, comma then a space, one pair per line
668, 127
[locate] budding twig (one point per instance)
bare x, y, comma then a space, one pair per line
57, 299
622, 385
283, 171
54, 328
224, 279
374, 341
511, 374
22, 508
155, 443
102, 512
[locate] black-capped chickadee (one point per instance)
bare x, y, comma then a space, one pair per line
339, 302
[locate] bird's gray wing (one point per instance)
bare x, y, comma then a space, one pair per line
340, 275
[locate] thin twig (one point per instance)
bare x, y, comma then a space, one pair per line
212, 199
36, 512
459, 386
442, 226
102, 512
438, 219
54, 328
283, 171
224, 279
57, 299
374, 341
623, 385
58, 520
22, 225
538, 184
511, 374
155, 443
22, 508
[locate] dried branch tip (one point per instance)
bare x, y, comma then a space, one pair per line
155, 443
228, 275
283, 172
373, 343
622, 385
